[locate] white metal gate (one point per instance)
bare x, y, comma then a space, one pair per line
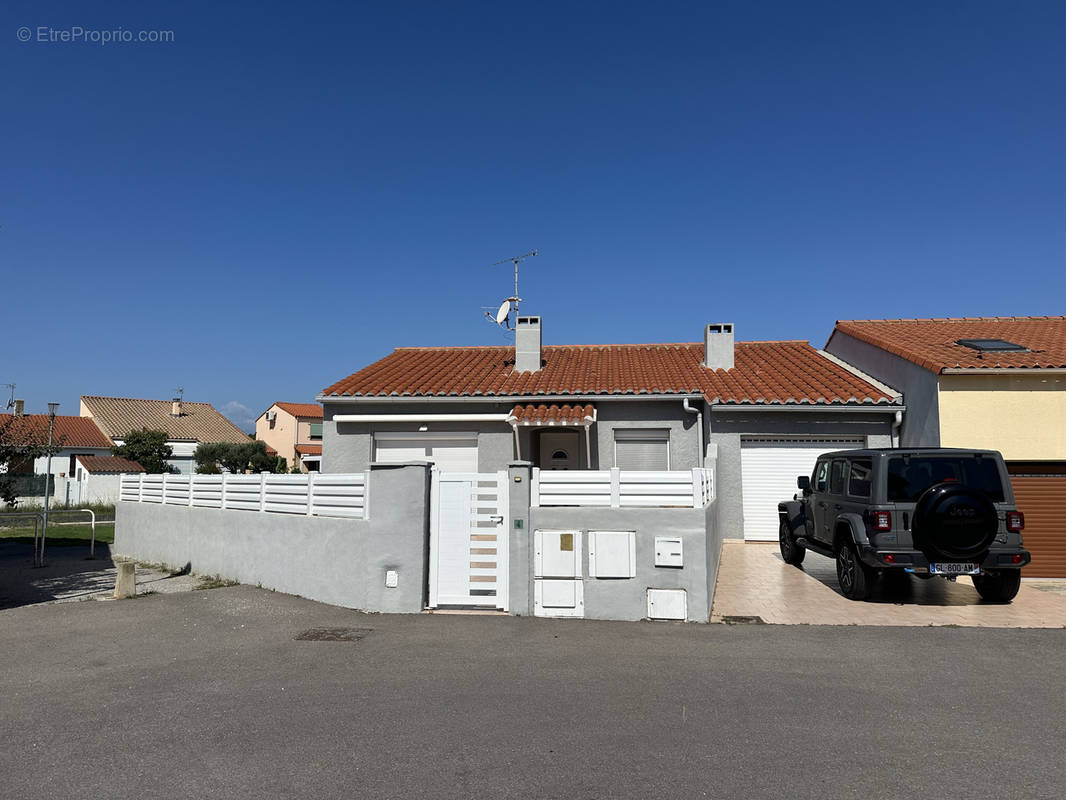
468, 540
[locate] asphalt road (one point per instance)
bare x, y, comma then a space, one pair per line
208, 694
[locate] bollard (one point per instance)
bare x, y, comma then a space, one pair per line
126, 582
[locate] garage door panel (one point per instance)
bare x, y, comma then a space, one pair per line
1043, 501
769, 467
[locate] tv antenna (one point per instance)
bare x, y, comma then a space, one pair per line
181, 392
502, 316
11, 399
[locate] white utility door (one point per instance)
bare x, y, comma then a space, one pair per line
557, 587
449, 452
768, 468
468, 540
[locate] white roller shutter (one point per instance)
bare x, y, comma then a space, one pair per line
454, 453
642, 449
769, 467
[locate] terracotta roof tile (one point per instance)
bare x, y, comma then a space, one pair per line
765, 372
68, 431
302, 410
932, 343
199, 422
309, 449
100, 464
552, 414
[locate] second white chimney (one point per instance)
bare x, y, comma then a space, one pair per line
527, 344
718, 346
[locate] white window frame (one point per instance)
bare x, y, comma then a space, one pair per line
642, 435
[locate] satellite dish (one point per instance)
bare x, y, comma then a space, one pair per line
505, 309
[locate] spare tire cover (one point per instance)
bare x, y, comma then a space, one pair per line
954, 522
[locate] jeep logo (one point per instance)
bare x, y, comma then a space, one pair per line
969, 512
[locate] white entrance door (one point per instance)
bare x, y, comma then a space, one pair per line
449, 452
768, 468
468, 540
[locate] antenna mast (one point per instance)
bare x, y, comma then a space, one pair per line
515, 260
11, 400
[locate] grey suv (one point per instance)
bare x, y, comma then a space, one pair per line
924, 511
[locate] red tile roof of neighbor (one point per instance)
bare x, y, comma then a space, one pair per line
765, 372
552, 414
199, 422
932, 343
67, 431
302, 410
99, 464
309, 449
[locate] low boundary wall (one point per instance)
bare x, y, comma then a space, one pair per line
333, 560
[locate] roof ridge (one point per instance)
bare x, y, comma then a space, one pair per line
953, 319
483, 347
142, 399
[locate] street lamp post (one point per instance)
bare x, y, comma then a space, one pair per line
48, 476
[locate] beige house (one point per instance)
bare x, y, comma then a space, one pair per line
294, 430
997, 383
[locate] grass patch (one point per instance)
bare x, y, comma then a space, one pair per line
214, 582
63, 535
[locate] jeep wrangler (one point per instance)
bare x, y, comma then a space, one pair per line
925, 511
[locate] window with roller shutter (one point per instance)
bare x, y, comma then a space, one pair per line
642, 449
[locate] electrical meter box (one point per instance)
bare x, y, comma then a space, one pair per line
668, 551
557, 554
667, 604
612, 554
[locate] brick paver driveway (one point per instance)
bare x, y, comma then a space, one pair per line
753, 581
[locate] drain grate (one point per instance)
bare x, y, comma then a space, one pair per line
739, 620
333, 634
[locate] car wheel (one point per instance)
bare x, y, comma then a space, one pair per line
998, 587
853, 575
791, 552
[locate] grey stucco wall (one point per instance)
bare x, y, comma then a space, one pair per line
921, 422
728, 428
338, 561
626, 598
348, 446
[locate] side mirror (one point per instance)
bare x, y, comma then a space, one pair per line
804, 482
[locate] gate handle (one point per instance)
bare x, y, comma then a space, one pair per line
497, 519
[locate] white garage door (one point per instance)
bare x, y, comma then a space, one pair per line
453, 452
769, 468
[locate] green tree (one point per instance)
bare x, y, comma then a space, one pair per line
235, 457
282, 466
148, 448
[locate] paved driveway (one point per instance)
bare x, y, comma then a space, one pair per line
753, 581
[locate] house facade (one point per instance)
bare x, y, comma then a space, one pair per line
758, 413
997, 383
72, 436
294, 432
186, 424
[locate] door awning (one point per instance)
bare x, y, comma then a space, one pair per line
552, 414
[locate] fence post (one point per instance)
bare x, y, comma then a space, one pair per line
310, 492
262, 491
534, 489
140, 488
697, 488
223, 499
616, 487
192, 479
163, 491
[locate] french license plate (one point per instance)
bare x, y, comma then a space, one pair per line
954, 569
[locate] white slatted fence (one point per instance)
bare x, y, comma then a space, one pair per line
313, 494
614, 488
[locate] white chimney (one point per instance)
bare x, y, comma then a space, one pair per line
20, 408
718, 346
175, 407
527, 344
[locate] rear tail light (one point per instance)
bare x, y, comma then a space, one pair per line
1015, 521
882, 520
1017, 558
888, 558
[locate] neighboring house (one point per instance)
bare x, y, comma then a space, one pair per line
95, 480
186, 424
294, 431
758, 412
996, 383
73, 436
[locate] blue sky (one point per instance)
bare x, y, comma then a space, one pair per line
279, 196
